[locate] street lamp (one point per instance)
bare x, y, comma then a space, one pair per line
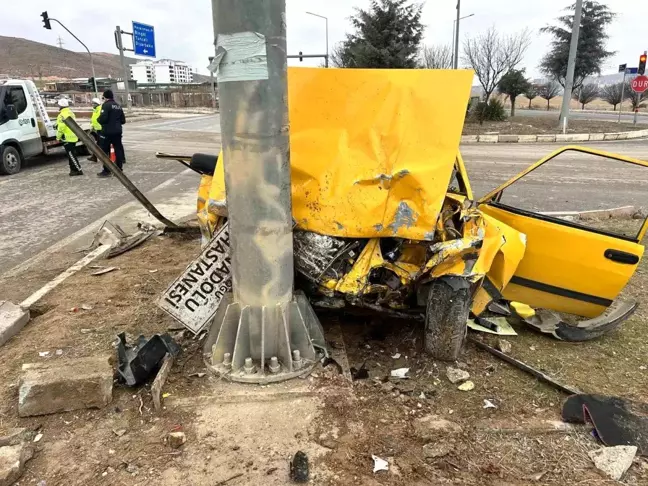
455, 47
326, 61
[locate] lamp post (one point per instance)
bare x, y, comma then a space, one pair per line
571, 64
326, 61
455, 41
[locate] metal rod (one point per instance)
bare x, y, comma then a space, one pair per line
94, 78
571, 64
326, 60
103, 158
118, 37
456, 47
307, 56
622, 93
525, 367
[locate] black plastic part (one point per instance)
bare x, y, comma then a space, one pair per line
621, 257
299, 468
140, 362
204, 163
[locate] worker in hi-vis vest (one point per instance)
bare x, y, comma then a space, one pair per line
67, 136
95, 125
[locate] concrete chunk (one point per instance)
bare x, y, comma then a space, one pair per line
12, 462
16, 436
62, 386
614, 461
12, 319
432, 427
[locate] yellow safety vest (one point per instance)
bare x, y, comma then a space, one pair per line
94, 119
62, 130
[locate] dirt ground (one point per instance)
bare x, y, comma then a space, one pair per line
246, 434
527, 125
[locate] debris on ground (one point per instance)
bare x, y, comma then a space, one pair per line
12, 462
437, 449
432, 427
138, 363
12, 319
299, 469
379, 464
617, 421
16, 436
400, 373
176, 439
489, 404
359, 374
504, 346
61, 386
492, 325
466, 386
613, 461
396, 356
104, 271
455, 375
160, 379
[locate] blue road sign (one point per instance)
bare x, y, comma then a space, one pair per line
143, 39
632, 70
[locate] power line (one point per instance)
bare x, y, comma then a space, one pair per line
60, 42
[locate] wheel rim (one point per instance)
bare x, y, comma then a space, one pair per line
11, 161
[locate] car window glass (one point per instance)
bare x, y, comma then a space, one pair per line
576, 182
18, 98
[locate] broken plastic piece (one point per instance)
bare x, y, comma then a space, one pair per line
489, 404
396, 356
379, 464
466, 386
138, 363
492, 325
522, 310
400, 373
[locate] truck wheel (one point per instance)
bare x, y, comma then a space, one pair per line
10, 161
448, 306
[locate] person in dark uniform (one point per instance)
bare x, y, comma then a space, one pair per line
111, 120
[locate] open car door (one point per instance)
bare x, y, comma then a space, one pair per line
568, 266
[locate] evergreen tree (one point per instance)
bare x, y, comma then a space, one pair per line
513, 84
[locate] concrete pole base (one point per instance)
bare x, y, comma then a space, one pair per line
264, 344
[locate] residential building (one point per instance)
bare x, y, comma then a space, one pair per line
163, 71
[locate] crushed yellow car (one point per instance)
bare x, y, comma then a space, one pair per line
385, 217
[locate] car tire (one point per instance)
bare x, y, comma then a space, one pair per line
10, 160
446, 316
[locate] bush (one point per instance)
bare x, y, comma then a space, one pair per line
491, 111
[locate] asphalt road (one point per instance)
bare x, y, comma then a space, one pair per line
42, 205
584, 115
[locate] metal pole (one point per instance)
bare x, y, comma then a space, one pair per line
452, 54
326, 58
120, 46
456, 46
94, 78
622, 94
571, 63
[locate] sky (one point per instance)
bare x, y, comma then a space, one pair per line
184, 29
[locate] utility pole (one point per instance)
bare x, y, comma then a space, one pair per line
213, 83
261, 332
456, 41
120, 46
571, 65
59, 41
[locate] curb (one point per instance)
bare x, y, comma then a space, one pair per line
547, 138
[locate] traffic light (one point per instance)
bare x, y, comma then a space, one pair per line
642, 64
46, 21
300, 56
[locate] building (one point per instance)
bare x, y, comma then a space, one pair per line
164, 71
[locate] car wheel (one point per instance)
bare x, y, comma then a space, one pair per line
446, 315
10, 161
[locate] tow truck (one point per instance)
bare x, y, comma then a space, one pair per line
26, 129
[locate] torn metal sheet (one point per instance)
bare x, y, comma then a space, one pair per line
194, 297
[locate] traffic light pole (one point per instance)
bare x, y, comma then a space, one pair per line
571, 65
120, 46
622, 93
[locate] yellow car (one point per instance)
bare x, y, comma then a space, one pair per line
385, 217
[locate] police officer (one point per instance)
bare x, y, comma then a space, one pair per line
96, 126
67, 136
111, 120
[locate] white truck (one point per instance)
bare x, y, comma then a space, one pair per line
26, 129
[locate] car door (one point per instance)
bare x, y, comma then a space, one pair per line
569, 265
24, 129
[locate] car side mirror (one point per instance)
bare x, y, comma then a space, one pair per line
12, 114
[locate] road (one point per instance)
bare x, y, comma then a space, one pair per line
42, 205
584, 115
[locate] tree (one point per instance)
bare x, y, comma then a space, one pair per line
531, 93
491, 55
591, 43
586, 94
549, 91
386, 35
613, 94
636, 99
513, 84
436, 57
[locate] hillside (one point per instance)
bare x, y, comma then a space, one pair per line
25, 58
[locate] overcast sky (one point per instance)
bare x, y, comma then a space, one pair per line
184, 28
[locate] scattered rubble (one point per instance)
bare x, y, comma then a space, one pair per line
137, 362
299, 470
466, 386
12, 462
432, 427
614, 461
61, 386
160, 379
455, 375
16, 436
489, 404
437, 449
379, 464
400, 373
504, 346
176, 439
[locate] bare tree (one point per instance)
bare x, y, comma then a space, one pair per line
549, 91
436, 57
586, 94
636, 99
491, 55
613, 94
